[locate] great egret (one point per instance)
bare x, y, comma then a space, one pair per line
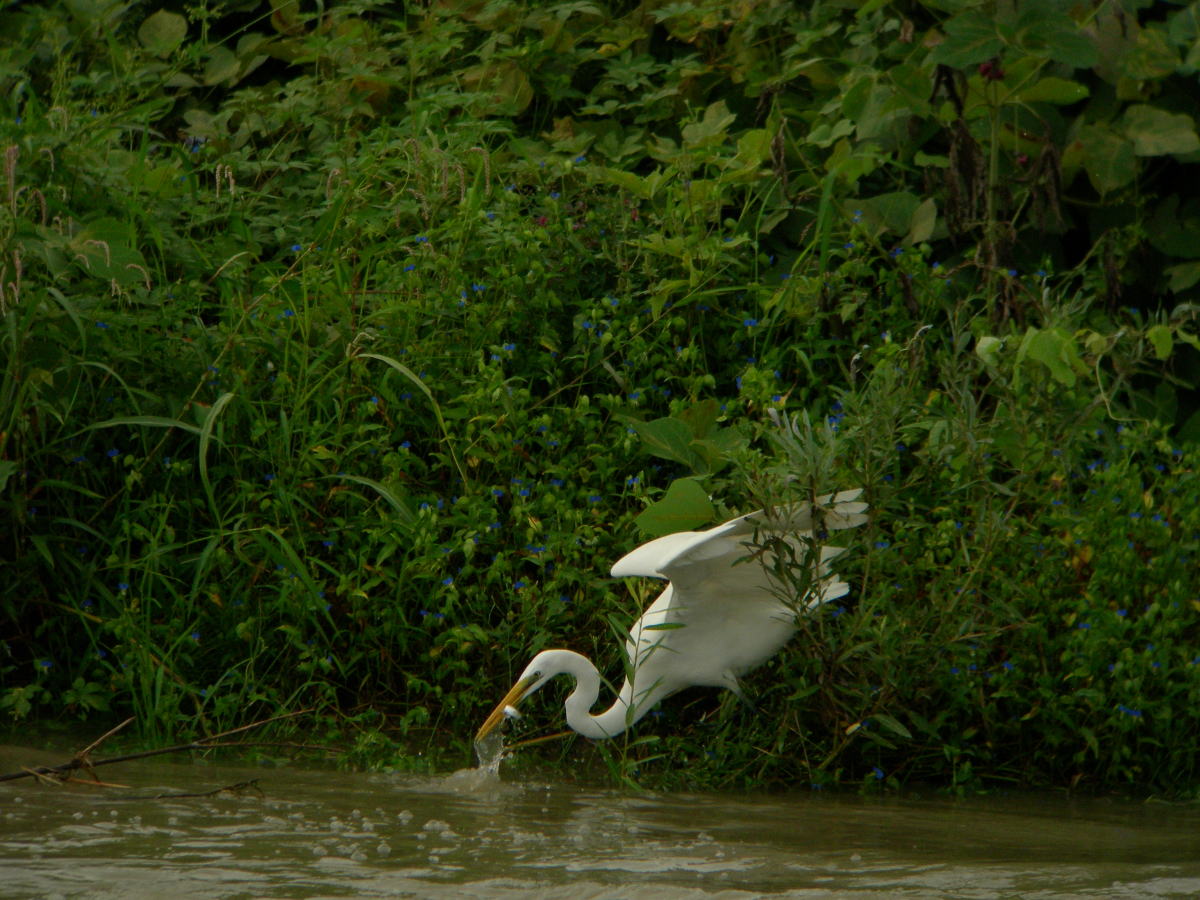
722, 614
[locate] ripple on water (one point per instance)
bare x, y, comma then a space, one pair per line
329, 834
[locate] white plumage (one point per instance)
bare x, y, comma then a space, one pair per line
723, 613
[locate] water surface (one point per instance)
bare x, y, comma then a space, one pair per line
333, 834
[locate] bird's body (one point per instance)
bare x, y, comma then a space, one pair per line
724, 612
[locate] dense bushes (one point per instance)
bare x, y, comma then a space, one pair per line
343, 349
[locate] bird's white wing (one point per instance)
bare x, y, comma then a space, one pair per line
691, 556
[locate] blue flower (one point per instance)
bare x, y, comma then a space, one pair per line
447, 581
296, 248
410, 267
750, 323
113, 453
517, 585
122, 586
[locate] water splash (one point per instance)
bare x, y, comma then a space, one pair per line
489, 751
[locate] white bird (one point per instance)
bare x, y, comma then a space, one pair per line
724, 612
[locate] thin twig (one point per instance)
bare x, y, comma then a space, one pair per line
79, 762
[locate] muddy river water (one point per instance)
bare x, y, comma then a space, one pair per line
334, 834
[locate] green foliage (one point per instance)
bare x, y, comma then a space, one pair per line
343, 348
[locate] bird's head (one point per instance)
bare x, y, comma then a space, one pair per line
541, 669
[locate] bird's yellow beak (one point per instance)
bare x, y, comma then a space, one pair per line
515, 695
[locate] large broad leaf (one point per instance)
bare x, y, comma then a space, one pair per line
1160, 339
1156, 132
162, 32
666, 438
684, 506
1107, 157
1056, 350
971, 38
711, 129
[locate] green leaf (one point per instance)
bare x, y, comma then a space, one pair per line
162, 32
402, 509
1160, 339
892, 724
148, 421
988, 348
1183, 276
222, 65
1108, 158
7, 468
712, 128
206, 433
1156, 132
666, 438
924, 218
684, 506
1052, 90
1055, 349
971, 38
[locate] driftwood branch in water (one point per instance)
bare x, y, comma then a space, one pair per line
81, 760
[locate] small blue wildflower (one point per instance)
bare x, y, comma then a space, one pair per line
1084, 626
447, 581
594, 498
554, 195
421, 239
269, 477
517, 585
113, 453
410, 267
101, 324
195, 636
581, 159
750, 323
878, 773
296, 248
1007, 666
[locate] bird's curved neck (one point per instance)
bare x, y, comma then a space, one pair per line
614, 720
